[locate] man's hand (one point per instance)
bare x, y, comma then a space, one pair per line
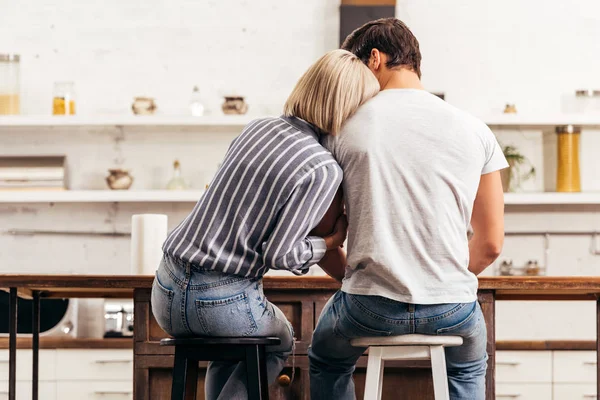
338, 237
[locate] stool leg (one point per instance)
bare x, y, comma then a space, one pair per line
256, 370
374, 380
438, 370
185, 376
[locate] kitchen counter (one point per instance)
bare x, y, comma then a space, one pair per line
301, 299
71, 343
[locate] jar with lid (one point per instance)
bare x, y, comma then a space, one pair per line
567, 171
9, 84
584, 102
63, 102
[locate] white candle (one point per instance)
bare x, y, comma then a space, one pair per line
148, 232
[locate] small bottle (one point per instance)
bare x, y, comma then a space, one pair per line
177, 182
196, 106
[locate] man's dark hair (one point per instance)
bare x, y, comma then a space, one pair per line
390, 36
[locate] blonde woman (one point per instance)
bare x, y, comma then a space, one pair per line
273, 204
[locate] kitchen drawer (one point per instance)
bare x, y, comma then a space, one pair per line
96, 365
24, 364
574, 391
46, 390
524, 391
94, 390
523, 366
575, 366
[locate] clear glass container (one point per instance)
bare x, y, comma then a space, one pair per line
63, 102
9, 84
196, 106
177, 182
567, 172
584, 102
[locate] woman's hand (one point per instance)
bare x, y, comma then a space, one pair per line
338, 237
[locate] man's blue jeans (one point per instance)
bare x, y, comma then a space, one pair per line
347, 316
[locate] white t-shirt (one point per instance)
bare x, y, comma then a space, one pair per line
412, 165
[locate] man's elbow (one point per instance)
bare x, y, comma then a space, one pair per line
492, 249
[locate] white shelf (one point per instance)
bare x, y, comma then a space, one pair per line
551, 198
192, 196
233, 121
101, 196
547, 121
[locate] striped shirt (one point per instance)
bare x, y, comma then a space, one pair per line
273, 187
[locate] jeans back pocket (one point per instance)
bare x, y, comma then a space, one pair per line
161, 301
231, 316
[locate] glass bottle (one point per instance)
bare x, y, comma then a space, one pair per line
63, 102
9, 84
196, 106
177, 182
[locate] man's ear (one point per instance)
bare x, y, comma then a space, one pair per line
375, 60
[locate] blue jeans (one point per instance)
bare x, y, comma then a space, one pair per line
347, 316
188, 301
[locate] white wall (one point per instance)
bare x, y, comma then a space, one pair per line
482, 54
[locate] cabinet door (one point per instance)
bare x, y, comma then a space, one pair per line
97, 365
523, 366
574, 391
24, 361
108, 390
46, 390
575, 366
524, 391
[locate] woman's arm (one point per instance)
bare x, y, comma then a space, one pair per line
291, 246
334, 221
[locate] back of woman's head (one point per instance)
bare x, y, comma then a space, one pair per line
331, 90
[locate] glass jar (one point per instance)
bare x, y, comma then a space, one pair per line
9, 84
584, 102
63, 102
567, 172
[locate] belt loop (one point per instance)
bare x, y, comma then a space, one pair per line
188, 270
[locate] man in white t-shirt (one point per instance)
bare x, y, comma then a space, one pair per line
417, 173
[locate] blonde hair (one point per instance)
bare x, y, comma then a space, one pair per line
331, 90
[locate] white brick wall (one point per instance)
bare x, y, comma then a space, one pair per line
482, 54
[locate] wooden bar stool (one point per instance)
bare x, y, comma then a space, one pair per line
189, 351
406, 347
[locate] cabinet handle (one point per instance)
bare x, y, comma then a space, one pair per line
113, 361
284, 380
108, 393
589, 396
510, 396
510, 363
590, 363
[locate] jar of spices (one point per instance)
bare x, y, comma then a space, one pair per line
63, 102
9, 84
568, 175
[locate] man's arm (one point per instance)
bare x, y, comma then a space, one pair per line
333, 225
487, 222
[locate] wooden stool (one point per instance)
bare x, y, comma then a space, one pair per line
406, 347
189, 351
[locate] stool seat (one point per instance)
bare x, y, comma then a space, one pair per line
203, 341
408, 340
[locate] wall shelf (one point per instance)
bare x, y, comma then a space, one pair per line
542, 122
24, 121
192, 196
551, 198
101, 196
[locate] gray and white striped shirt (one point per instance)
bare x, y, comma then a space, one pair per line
273, 187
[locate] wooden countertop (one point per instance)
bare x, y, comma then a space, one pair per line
71, 343
115, 286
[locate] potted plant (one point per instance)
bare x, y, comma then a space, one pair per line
516, 162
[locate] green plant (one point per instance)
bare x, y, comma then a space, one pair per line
517, 161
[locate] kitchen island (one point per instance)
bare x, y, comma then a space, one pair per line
302, 300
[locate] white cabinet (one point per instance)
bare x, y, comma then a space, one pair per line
574, 391
78, 390
575, 366
524, 391
46, 390
94, 365
523, 366
24, 363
